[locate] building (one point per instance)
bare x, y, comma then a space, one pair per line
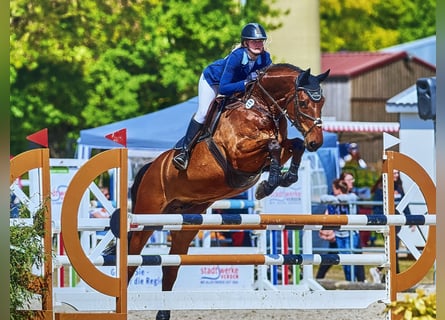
358, 87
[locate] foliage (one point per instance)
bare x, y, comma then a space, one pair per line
419, 307
364, 177
78, 64
368, 25
26, 251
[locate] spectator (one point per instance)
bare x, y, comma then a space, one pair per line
98, 210
349, 179
328, 235
340, 205
14, 206
353, 158
399, 193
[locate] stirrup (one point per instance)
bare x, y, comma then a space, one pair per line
181, 161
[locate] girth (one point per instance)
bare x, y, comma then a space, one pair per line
235, 179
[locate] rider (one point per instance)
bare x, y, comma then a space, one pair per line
225, 76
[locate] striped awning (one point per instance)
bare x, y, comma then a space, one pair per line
357, 126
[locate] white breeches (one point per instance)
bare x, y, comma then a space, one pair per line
206, 94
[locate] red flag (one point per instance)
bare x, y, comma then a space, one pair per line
119, 136
40, 137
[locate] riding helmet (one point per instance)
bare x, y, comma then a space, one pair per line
253, 31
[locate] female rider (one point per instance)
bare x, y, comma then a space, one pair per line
225, 76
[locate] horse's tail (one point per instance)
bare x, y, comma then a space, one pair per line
137, 182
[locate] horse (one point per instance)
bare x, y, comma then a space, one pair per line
249, 137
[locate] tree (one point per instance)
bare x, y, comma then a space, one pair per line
368, 25
77, 64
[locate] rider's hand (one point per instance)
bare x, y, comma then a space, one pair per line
252, 76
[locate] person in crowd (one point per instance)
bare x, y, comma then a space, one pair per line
353, 158
225, 76
399, 193
339, 204
327, 235
349, 179
98, 210
14, 206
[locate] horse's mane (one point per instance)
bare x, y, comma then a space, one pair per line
282, 65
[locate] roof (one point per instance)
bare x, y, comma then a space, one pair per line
358, 126
351, 64
424, 49
405, 101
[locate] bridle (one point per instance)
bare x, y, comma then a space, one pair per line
315, 95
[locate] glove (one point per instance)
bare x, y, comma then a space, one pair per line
252, 76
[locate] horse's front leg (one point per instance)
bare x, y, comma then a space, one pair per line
266, 188
291, 176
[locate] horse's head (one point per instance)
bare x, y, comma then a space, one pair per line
308, 102
288, 90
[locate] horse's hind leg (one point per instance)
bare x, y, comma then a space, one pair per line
180, 245
291, 176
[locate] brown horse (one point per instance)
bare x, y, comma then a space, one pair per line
250, 136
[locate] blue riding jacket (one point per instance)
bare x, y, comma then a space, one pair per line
231, 72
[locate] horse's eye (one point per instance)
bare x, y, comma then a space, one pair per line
303, 104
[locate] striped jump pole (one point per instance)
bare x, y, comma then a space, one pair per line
279, 219
92, 224
240, 259
140, 222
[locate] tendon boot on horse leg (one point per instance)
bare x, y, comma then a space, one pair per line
266, 188
186, 144
291, 176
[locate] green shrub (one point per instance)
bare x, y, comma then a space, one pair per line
26, 251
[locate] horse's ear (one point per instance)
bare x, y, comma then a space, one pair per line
304, 77
323, 76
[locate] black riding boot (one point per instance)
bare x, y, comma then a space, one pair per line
181, 160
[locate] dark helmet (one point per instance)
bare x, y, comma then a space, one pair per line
253, 31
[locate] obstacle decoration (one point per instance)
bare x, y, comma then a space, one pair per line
19, 165
408, 278
116, 287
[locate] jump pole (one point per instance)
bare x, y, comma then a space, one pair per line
240, 220
239, 259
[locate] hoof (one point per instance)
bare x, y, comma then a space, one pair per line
263, 190
163, 315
